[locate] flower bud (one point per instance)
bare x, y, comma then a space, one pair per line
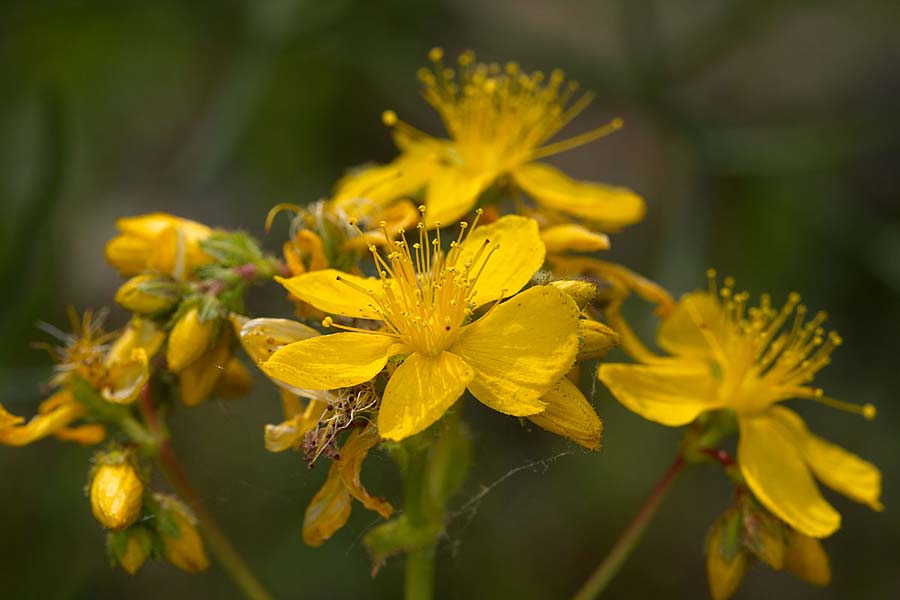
805, 558
134, 556
189, 339
116, 494
129, 548
726, 561
158, 242
183, 549
582, 292
147, 294
570, 415
199, 378
596, 339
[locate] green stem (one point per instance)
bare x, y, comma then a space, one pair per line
629, 539
218, 542
419, 574
419, 568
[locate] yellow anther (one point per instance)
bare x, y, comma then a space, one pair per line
327, 322
389, 118
435, 54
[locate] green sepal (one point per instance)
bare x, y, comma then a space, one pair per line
397, 536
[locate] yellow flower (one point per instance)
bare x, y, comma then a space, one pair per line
330, 508
158, 242
500, 123
117, 493
426, 301
728, 355
118, 373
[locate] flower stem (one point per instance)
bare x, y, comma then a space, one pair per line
419, 574
220, 545
218, 542
629, 539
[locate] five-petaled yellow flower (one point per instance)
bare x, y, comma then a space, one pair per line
426, 301
499, 123
728, 355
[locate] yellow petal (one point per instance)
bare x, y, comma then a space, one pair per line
773, 465
125, 379
521, 349
453, 192
14, 433
519, 254
150, 225
86, 435
329, 509
128, 254
419, 392
262, 337
835, 467
671, 393
330, 362
336, 292
806, 559
364, 192
560, 239
570, 415
199, 379
353, 453
291, 433
605, 205
139, 333
682, 331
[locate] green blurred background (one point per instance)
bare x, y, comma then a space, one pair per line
765, 136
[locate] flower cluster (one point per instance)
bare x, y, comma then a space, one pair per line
463, 268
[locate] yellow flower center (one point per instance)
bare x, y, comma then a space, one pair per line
427, 294
499, 118
765, 355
